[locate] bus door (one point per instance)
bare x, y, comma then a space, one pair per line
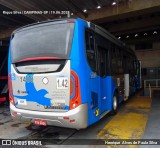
95, 93
102, 59
94, 87
102, 67
137, 79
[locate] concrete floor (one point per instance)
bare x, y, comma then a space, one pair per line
138, 118
153, 125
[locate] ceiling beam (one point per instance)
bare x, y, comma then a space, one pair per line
139, 30
134, 25
145, 39
123, 10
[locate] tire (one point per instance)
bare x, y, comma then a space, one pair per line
114, 104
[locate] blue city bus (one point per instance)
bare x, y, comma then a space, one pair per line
68, 73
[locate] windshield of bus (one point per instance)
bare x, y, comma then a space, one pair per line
44, 40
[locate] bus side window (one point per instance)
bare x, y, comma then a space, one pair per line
119, 61
125, 62
114, 61
130, 65
138, 68
102, 48
102, 61
90, 49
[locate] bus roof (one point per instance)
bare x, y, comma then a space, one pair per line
43, 22
111, 37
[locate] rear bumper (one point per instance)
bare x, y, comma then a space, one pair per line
79, 114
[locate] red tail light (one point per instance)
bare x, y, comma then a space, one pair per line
74, 90
71, 87
10, 90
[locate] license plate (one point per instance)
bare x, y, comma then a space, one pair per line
40, 122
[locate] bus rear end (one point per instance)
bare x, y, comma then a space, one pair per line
43, 89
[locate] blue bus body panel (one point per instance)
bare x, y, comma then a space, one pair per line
93, 90
76, 55
80, 66
107, 87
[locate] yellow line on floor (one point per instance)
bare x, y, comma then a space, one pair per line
130, 121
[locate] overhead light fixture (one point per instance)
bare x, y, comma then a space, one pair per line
119, 37
155, 32
114, 3
145, 34
98, 7
136, 35
85, 10
127, 36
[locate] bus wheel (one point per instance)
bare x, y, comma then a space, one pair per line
114, 104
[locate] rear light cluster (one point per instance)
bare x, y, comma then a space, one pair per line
75, 97
10, 90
